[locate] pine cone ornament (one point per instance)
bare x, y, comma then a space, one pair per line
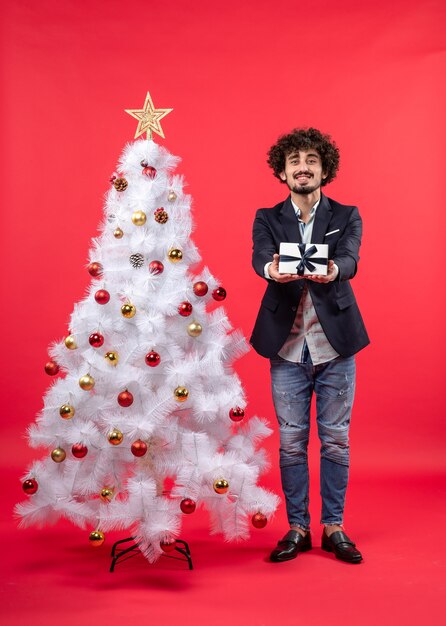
120, 184
137, 260
161, 216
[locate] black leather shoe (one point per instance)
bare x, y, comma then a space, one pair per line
290, 546
342, 546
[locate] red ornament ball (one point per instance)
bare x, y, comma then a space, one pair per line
51, 368
139, 448
259, 520
95, 269
168, 545
188, 506
96, 340
125, 398
219, 294
149, 171
237, 414
78, 450
185, 309
30, 486
153, 358
102, 296
156, 267
200, 288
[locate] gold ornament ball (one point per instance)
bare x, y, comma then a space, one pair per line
115, 437
70, 342
112, 358
175, 255
58, 455
66, 411
221, 485
172, 196
128, 310
118, 233
96, 538
194, 329
86, 382
139, 218
181, 394
106, 494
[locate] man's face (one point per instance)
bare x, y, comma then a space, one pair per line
303, 171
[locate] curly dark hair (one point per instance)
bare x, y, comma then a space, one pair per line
305, 139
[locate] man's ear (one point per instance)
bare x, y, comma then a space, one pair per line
282, 176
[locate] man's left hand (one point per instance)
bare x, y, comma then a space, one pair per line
332, 273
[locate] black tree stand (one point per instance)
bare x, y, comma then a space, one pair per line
119, 554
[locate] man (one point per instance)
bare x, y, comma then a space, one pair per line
310, 327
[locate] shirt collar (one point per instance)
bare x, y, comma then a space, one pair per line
298, 211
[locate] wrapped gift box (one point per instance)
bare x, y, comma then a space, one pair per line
303, 258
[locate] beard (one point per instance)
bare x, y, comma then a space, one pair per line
303, 190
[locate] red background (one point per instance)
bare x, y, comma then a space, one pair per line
237, 75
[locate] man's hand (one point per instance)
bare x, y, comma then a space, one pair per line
273, 271
332, 273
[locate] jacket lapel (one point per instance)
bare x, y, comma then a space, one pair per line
321, 220
289, 222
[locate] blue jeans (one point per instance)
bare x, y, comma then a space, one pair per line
334, 386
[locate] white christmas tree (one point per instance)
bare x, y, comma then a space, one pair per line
147, 391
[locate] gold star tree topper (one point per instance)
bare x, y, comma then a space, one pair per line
148, 118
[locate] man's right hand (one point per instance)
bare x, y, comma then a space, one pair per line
273, 271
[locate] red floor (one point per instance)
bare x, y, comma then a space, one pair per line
53, 576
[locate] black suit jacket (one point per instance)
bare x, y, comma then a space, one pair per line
335, 302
